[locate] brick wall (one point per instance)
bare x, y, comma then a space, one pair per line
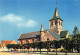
48, 36
24, 41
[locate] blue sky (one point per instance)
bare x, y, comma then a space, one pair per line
23, 16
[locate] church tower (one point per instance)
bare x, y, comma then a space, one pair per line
42, 31
56, 23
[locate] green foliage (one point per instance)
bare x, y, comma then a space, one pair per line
76, 30
56, 44
76, 42
8, 46
28, 45
68, 44
47, 44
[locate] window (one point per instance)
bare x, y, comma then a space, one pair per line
27, 41
59, 22
51, 23
47, 39
55, 22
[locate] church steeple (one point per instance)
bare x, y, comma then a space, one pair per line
56, 3
56, 14
56, 23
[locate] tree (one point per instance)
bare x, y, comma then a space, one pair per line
36, 45
76, 41
33, 45
8, 46
56, 45
67, 44
40, 46
20, 47
47, 45
17, 46
28, 45
76, 30
24, 46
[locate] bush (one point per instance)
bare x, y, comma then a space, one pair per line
62, 50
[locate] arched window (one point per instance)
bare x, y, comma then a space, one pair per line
55, 22
47, 39
59, 22
51, 23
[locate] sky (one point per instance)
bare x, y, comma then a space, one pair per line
24, 16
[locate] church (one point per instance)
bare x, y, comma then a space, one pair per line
55, 31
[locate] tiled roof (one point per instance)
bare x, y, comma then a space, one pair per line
30, 35
56, 15
7, 42
63, 34
56, 35
36, 34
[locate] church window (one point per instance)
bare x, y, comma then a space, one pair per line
55, 22
26, 41
47, 39
51, 23
59, 22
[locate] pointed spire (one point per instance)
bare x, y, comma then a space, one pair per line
42, 29
56, 3
56, 14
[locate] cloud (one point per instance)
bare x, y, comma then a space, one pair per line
30, 23
11, 18
18, 20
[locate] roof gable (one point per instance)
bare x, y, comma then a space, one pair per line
6, 42
63, 34
56, 35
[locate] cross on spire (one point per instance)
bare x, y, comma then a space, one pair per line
56, 3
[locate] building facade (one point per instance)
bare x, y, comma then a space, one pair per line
53, 33
4, 44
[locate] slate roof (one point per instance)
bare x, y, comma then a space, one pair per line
63, 34
36, 34
56, 15
30, 35
56, 35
